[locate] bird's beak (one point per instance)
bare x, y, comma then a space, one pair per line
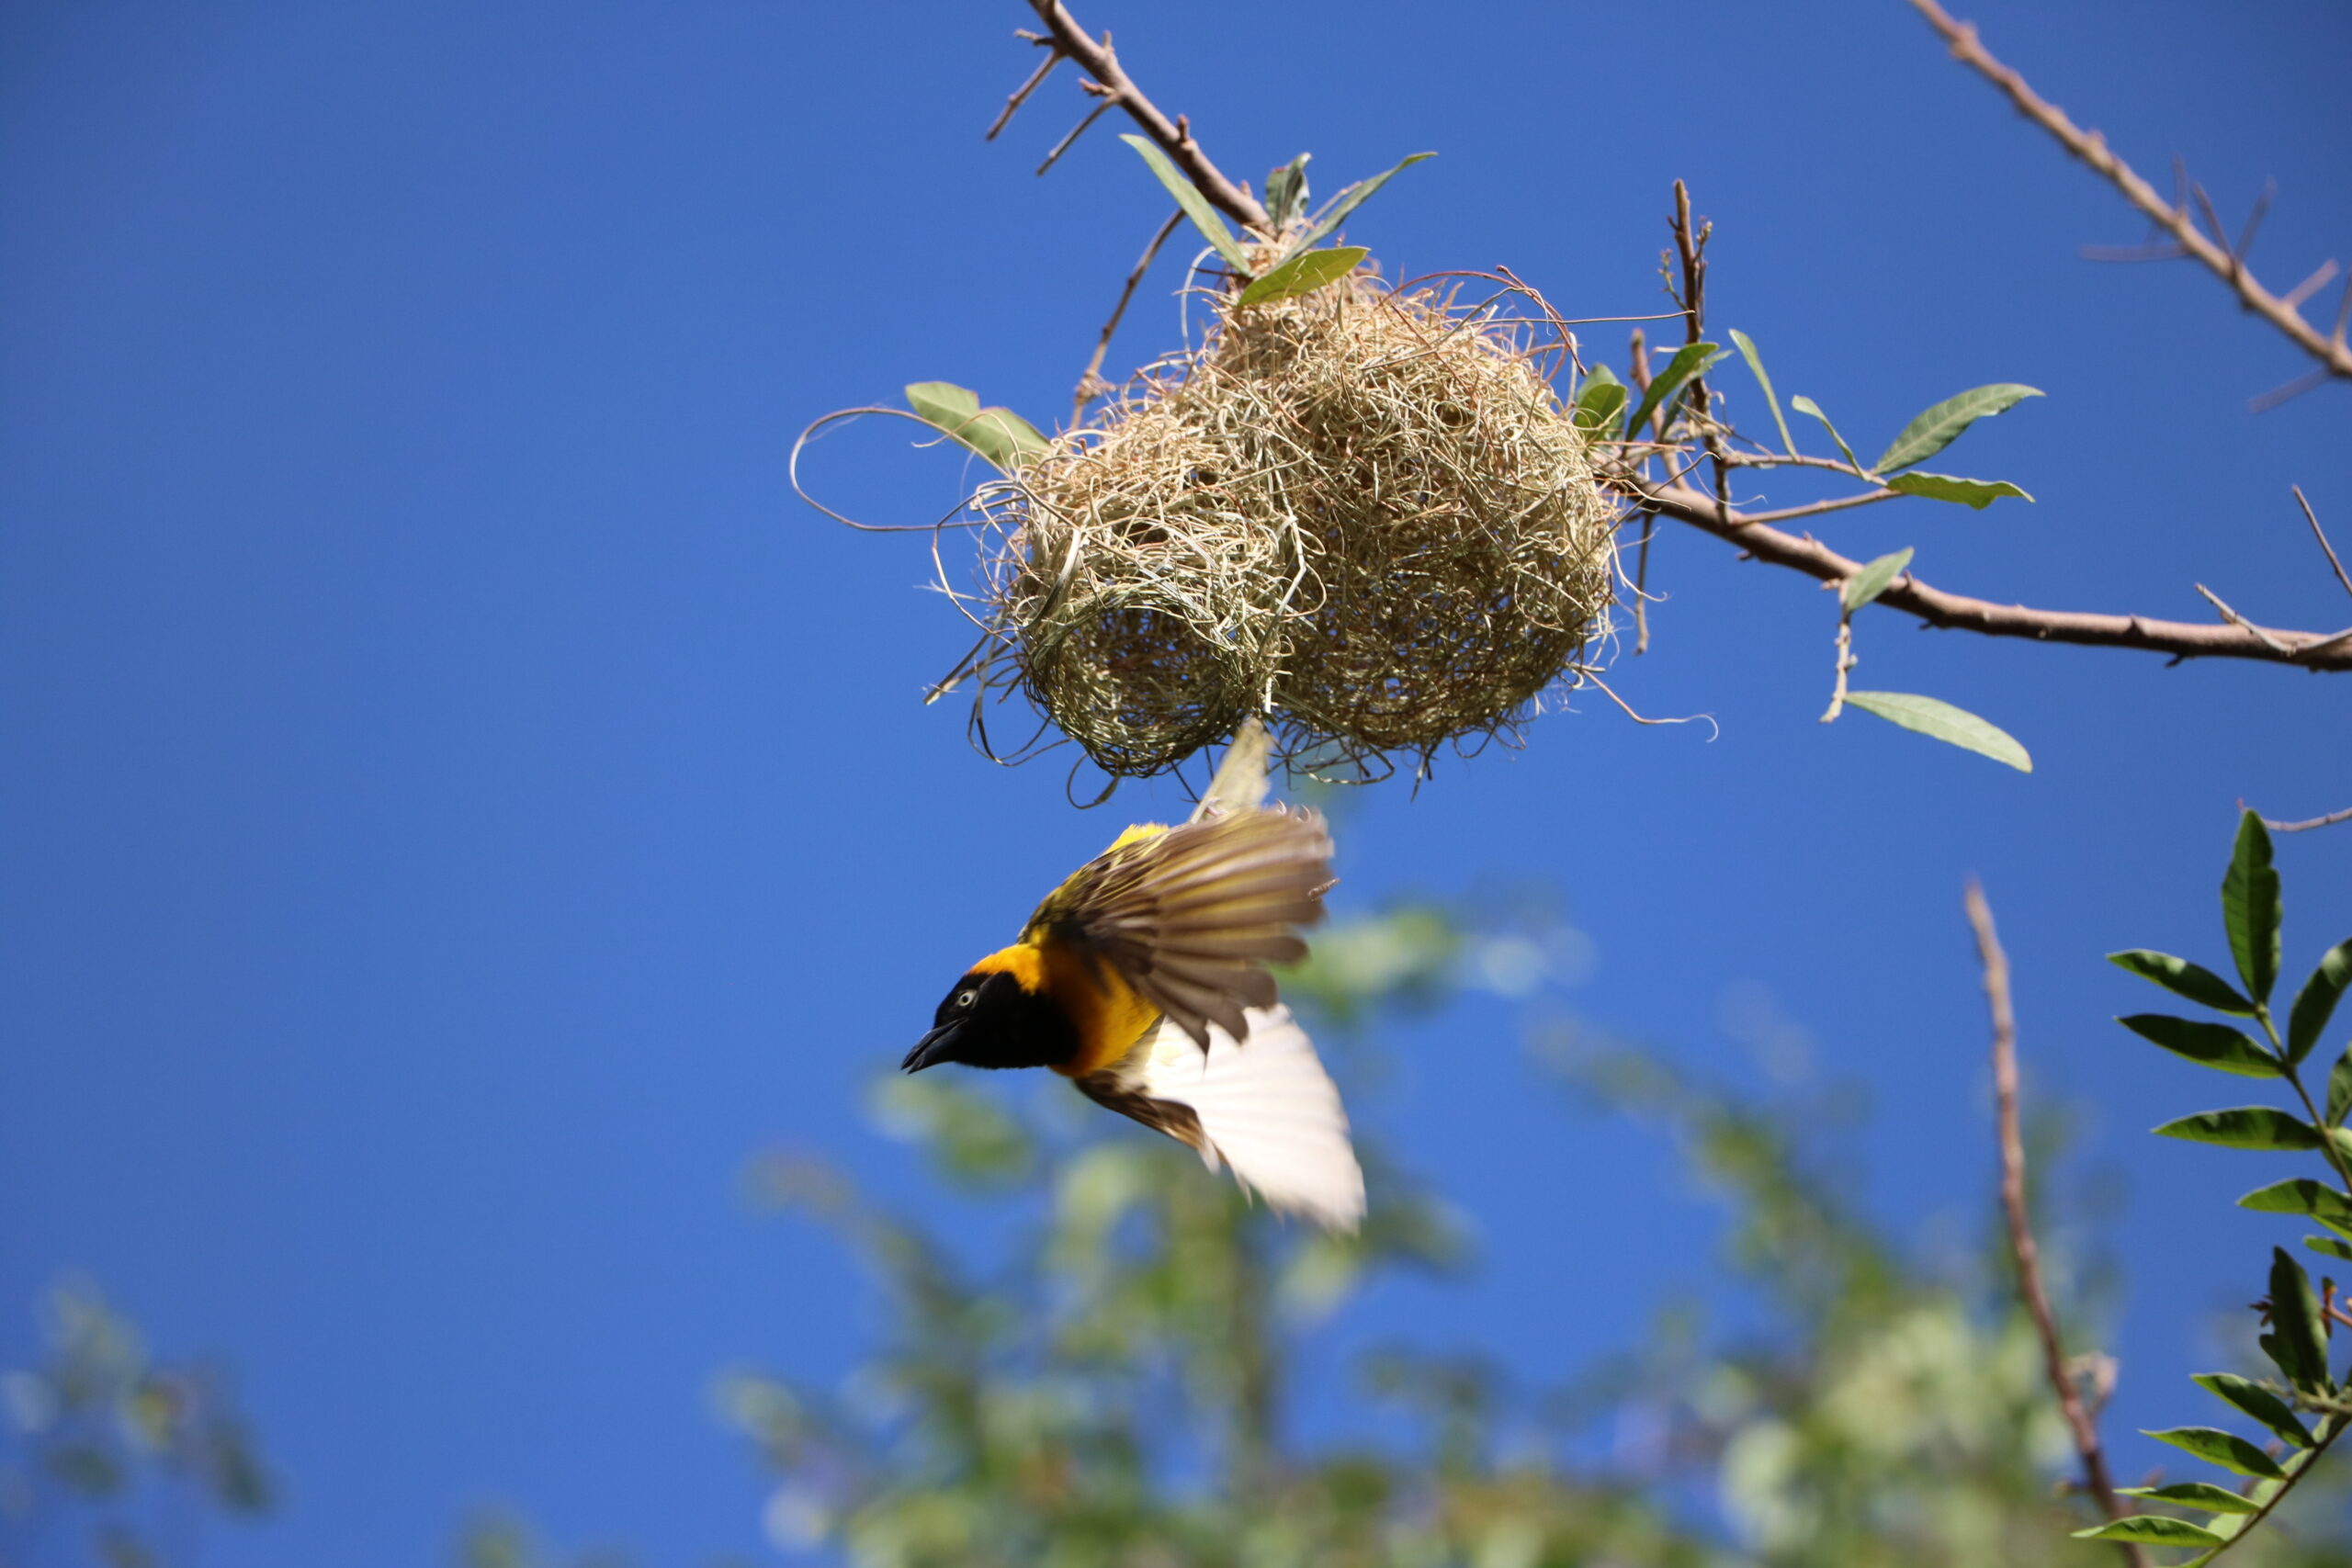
932, 1048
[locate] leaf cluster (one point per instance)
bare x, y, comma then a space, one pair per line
101, 1442
2299, 1319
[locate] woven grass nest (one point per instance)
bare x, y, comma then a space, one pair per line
1362, 513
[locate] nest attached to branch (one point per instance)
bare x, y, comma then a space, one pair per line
1362, 513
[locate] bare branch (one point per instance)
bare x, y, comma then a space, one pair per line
2027, 1257
2305, 825
1021, 94
1067, 143
1175, 138
2173, 217
2181, 640
2321, 534
1092, 382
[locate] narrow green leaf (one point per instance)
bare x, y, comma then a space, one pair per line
2257, 1401
2245, 1127
1692, 359
1304, 273
1939, 426
2329, 1246
2225, 1449
1196, 205
2298, 1341
1977, 493
1944, 722
2214, 1045
1599, 401
999, 435
2315, 1003
1804, 404
1355, 196
1874, 579
2183, 978
1286, 191
2339, 1087
2301, 1195
1756, 368
2250, 908
2194, 1494
2152, 1530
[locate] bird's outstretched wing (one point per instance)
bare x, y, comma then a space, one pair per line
1267, 1109
1192, 916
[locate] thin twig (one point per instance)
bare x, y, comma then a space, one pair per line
1690, 244
1638, 368
2180, 639
1021, 94
2027, 1257
1067, 143
1846, 662
2240, 621
1175, 137
1092, 382
2321, 534
2305, 825
2173, 217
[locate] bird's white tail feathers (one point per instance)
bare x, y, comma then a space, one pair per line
1267, 1107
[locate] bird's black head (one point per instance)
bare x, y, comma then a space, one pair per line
989, 1020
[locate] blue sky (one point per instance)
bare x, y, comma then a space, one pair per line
458, 806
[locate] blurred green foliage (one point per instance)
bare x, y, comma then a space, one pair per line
1106, 1381
112, 1458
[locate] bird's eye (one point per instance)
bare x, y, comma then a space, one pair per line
965, 998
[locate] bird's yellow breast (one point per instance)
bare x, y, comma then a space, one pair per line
1105, 1010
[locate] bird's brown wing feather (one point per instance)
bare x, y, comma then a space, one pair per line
1192, 917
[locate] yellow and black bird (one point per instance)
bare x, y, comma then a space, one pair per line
1142, 979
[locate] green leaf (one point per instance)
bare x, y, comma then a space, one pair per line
2245, 1127
2225, 1449
1944, 722
2183, 978
1756, 368
1286, 191
1196, 205
2301, 1195
1692, 359
2152, 1530
1355, 196
1874, 579
999, 435
1304, 273
1804, 404
2257, 1401
2315, 1003
2195, 1494
1939, 426
2298, 1340
1599, 401
2214, 1045
2339, 1087
1977, 493
2250, 908
2328, 1246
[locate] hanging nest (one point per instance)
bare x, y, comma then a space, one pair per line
1362, 512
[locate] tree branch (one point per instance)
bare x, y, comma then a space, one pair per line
2175, 219
1175, 138
2079, 1422
2182, 639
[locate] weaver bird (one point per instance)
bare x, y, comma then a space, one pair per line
1142, 979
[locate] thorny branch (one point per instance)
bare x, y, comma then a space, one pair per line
1957, 612
2227, 263
1175, 138
2080, 1423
